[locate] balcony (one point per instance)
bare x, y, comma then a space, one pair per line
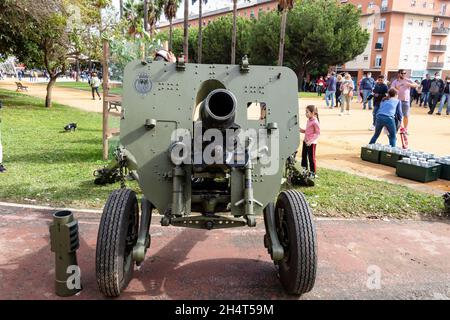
384, 9
378, 46
438, 48
440, 31
435, 65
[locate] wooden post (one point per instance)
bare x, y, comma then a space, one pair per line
105, 99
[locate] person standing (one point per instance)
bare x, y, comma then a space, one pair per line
445, 97
426, 83
95, 84
367, 85
437, 87
312, 134
419, 92
403, 86
330, 94
320, 84
390, 110
347, 88
338, 91
379, 93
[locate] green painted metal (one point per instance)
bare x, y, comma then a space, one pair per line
160, 97
64, 243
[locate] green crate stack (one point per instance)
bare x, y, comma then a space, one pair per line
418, 173
370, 155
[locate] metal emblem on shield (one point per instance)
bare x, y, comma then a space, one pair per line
143, 84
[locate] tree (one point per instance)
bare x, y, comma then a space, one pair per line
42, 33
200, 28
233, 37
283, 6
186, 31
318, 32
217, 39
170, 11
178, 40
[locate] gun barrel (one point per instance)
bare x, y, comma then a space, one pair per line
218, 110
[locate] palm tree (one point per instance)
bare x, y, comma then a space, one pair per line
186, 31
170, 11
283, 6
121, 8
200, 27
233, 37
155, 9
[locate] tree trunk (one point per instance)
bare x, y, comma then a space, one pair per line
50, 85
233, 37
146, 15
121, 8
170, 34
282, 35
186, 31
200, 37
78, 70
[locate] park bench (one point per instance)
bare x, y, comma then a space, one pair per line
21, 87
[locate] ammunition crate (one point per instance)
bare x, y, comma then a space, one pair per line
445, 171
389, 159
370, 155
418, 173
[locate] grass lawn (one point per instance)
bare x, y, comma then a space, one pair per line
309, 95
50, 167
85, 87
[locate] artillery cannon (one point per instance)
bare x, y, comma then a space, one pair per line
210, 146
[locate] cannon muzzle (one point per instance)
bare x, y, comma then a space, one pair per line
218, 109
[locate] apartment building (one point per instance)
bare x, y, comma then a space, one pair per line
404, 34
246, 10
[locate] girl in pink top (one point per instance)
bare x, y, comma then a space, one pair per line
312, 133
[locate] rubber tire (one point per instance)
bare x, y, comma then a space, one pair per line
110, 257
297, 270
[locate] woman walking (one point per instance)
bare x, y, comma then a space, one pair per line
338, 91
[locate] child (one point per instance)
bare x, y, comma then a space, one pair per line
388, 114
379, 93
312, 133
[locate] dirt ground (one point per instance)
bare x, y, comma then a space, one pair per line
357, 259
341, 139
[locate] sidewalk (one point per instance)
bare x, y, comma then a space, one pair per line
412, 259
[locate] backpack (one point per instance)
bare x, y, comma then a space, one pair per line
435, 86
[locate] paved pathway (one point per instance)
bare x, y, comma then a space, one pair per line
412, 258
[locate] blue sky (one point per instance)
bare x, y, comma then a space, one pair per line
212, 5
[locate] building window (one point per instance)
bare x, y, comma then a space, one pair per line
419, 40
443, 9
429, 24
408, 40
420, 23
413, 3
366, 57
424, 58
384, 4
410, 22
416, 58
378, 61
424, 5
371, 4
382, 24
405, 57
